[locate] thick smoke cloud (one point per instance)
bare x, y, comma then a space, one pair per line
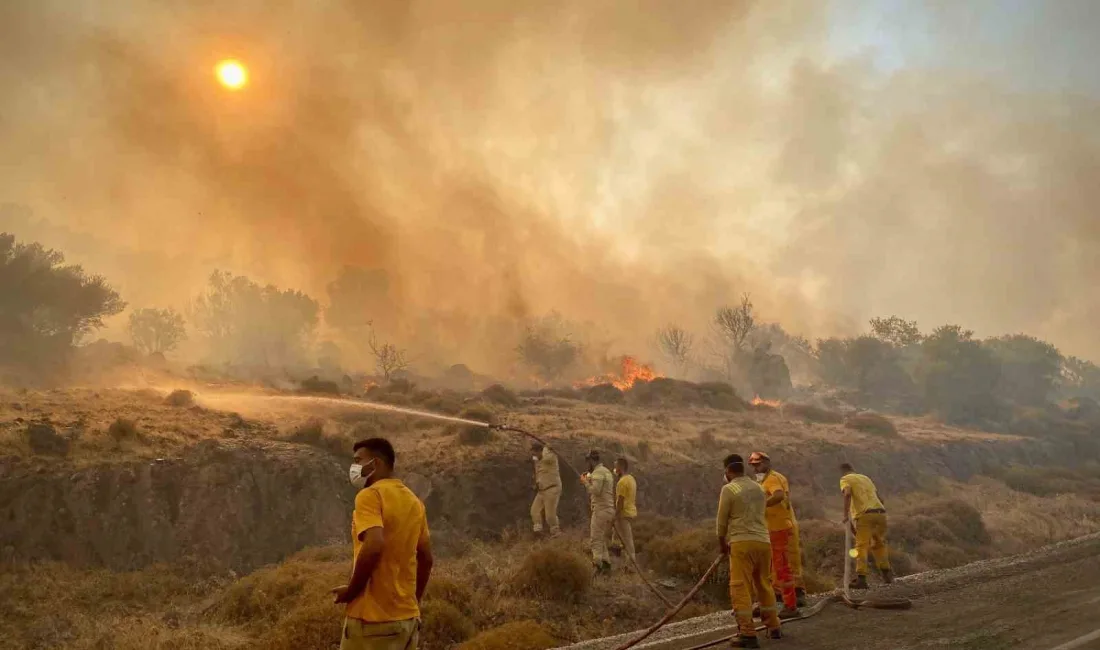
624, 163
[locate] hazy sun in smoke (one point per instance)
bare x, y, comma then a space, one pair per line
231, 74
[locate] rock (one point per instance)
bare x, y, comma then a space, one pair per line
45, 440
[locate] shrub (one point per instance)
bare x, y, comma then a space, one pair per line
443, 625
685, 555
180, 397
937, 555
498, 394
604, 394
871, 423
447, 404
706, 438
644, 450
812, 413
455, 593
962, 520
308, 625
123, 429
554, 573
312, 433
648, 527
469, 434
317, 385
43, 438
517, 635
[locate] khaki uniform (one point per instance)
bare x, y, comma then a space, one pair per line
869, 516
741, 523
601, 498
398, 635
548, 483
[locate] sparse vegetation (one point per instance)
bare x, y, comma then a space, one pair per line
554, 573
871, 423
547, 348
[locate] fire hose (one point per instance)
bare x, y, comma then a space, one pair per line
844, 596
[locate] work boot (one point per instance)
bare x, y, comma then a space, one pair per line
603, 568
777, 633
789, 613
887, 576
756, 611
859, 583
744, 642
800, 594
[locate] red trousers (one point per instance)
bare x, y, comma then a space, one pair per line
781, 568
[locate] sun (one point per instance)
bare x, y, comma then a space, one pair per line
232, 74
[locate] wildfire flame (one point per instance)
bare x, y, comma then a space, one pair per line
774, 403
630, 371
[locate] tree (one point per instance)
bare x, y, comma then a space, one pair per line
546, 348
156, 331
388, 358
1030, 368
896, 331
254, 325
734, 324
46, 306
959, 376
1080, 378
676, 344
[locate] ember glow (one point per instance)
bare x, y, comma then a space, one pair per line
630, 371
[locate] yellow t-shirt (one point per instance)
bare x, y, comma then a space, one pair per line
779, 516
627, 488
741, 512
864, 494
391, 593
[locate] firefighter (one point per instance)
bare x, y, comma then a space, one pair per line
548, 487
865, 513
743, 535
780, 519
626, 506
601, 497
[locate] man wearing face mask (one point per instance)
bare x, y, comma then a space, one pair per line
392, 556
601, 497
743, 535
548, 485
779, 517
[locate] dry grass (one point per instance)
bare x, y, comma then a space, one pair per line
554, 572
871, 423
518, 635
812, 413
180, 397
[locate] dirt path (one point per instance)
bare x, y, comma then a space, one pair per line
1045, 600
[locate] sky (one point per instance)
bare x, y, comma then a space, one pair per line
626, 163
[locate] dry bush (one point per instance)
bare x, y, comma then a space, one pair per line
263, 598
685, 555
445, 589
937, 555
675, 393
871, 423
144, 633
604, 394
647, 527
498, 394
962, 520
644, 450
313, 433
310, 624
443, 625
706, 438
446, 403
474, 435
180, 397
44, 439
123, 429
822, 548
553, 573
517, 635
812, 413
317, 385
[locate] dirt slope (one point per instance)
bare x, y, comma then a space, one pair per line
1038, 600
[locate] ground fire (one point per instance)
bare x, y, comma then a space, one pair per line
630, 370
756, 401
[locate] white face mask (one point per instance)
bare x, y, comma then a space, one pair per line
760, 476
356, 476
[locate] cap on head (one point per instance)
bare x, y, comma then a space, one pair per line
758, 456
593, 455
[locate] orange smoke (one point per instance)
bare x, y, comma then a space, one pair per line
630, 371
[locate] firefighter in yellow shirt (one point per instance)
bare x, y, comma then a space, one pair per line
779, 517
392, 556
626, 506
743, 535
865, 512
